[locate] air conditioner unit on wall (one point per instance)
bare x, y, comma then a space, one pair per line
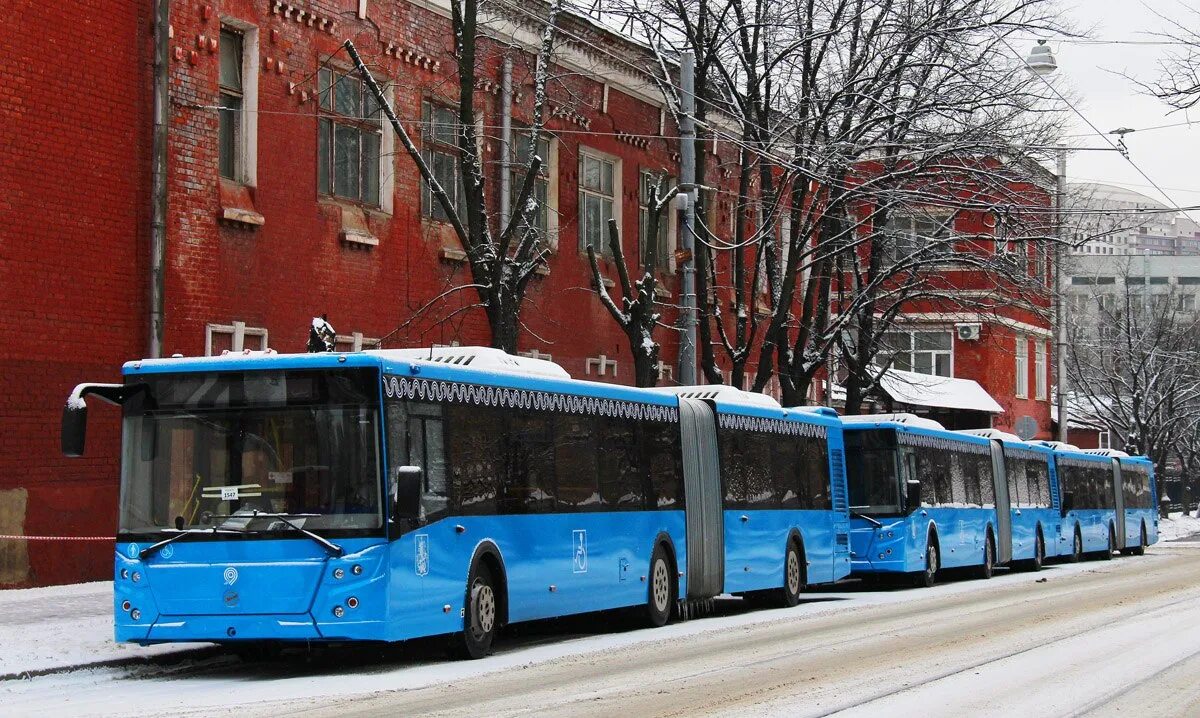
968, 332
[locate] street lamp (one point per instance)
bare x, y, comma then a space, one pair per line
1041, 62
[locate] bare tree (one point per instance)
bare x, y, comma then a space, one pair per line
1178, 81
503, 258
1135, 361
637, 314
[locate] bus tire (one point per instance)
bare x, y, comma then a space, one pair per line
481, 615
1039, 552
1076, 554
794, 577
928, 577
988, 568
1107, 553
660, 589
1140, 550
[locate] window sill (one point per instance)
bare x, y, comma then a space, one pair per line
237, 206
354, 227
661, 292
453, 254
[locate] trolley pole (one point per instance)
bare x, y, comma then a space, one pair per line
687, 190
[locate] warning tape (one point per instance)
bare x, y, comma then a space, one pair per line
18, 537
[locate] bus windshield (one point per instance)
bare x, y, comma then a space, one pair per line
209, 450
871, 472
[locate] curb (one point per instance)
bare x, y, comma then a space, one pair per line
163, 659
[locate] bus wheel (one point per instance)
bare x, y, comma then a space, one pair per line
1076, 548
1039, 553
660, 594
928, 577
989, 559
1107, 553
1141, 547
793, 578
480, 619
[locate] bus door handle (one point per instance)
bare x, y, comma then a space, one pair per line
745, 518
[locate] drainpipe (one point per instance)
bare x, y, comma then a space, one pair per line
506, 142
158, 174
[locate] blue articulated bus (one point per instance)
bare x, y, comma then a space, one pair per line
1140, 494
1034, 503
923, 498
388, 495
1090, 484
783, 493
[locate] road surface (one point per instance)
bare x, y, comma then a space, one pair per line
1102, 638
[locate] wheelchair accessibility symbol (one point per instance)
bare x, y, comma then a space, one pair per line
579, 543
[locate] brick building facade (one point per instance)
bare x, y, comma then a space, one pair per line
269, 224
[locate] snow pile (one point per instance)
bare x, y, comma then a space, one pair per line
63, 626
1179, 525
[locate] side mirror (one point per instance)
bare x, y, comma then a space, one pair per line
912, 499
74, 427
1068, 502
406, 492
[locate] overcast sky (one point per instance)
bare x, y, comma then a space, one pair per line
1171, 157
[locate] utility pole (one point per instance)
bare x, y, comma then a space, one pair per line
158, 174
1060, 306
687, 190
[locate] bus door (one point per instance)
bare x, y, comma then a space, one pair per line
703, 500
1118, 503
1003, 504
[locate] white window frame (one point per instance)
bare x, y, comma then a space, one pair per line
239, 333
1041, 379
586, 153
912, 350
1022, 367
353, 342
1103, 439
246, 159
387, 146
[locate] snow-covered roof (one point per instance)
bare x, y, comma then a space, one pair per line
722, 393
482, 358
908, 387
1058, 445
897, 418
1112, 453
992, 434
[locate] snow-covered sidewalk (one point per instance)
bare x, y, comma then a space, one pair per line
60, 627
1179, 525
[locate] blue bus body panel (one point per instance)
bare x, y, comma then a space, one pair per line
1136, 518
1025, 524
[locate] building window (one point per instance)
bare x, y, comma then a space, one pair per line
598, 192
1041, 378
540, 217
1103, 439
440, 152
909, 234
1187, 302
237, 86
1022, 367
662, 241
928, 352
349, 138
229, 131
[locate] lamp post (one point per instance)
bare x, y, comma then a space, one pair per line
1041, 62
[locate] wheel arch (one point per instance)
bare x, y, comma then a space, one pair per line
795, 536
487, 553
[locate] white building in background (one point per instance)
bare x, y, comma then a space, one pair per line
1126, 231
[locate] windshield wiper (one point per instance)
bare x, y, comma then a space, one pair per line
329, 546
183, 533
866, 518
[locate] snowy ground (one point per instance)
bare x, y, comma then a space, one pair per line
1179, 525
702, 661
63, 626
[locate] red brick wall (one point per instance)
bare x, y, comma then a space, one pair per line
74, 212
